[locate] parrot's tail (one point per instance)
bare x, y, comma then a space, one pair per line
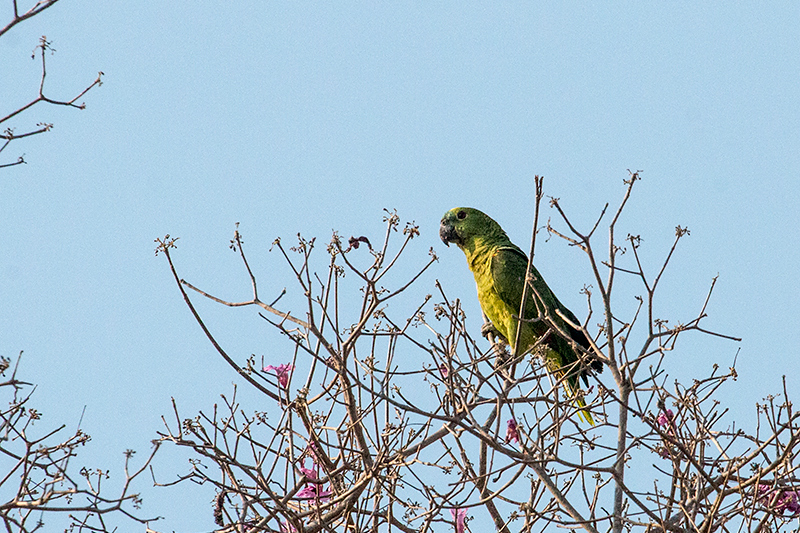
572, 385
569, 375
583, 413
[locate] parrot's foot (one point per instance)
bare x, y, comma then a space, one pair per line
487, 328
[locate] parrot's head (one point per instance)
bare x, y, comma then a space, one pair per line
463, 225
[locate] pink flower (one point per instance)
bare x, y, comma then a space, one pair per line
443, 370
312, 492
787, 502
665, 418
282, 371
511, 432
310, 474
777, 500
459, 515
312, 489
766, 495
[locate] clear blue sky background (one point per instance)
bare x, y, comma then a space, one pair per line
308, 117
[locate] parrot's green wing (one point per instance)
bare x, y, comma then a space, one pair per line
508, 268
509, 265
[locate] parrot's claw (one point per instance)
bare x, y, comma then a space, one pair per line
488, 329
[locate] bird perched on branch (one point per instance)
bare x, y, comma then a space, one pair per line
500, 267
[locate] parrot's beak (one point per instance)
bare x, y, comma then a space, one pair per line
447, 233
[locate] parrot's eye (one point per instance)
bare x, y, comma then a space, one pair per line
461, 215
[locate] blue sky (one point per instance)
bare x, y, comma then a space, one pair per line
306, 117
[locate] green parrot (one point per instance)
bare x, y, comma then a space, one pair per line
499, 267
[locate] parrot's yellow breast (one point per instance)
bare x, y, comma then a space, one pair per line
501, 315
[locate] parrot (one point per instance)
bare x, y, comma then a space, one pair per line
499, 267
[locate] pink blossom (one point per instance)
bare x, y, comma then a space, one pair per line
766, 495
312, 492
511, 432
287, 527
665, 418
282, 371
443, 370
459, 515
777, 500
787, 502
310, 474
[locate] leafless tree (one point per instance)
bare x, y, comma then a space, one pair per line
39, 483
386, 413
42, 49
